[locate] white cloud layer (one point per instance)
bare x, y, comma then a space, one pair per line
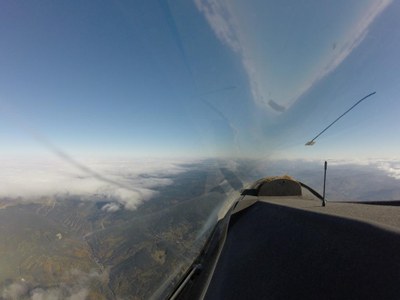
127, 182
362, 179
391, 168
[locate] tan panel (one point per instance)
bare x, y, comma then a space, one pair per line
280, 187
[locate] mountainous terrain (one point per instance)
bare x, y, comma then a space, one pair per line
67, 246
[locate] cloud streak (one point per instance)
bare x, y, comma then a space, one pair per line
222, 21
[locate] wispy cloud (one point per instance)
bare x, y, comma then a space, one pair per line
15, 290
79, 289
111, 207
136, 180
219, 17
356, 35
222, 21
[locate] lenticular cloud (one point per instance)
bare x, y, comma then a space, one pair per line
127, 182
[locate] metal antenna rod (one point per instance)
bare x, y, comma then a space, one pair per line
323, 195
312, 142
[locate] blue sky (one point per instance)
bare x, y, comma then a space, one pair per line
201, 78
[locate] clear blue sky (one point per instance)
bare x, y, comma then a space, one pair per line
197, 78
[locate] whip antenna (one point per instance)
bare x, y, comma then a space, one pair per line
312, 142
